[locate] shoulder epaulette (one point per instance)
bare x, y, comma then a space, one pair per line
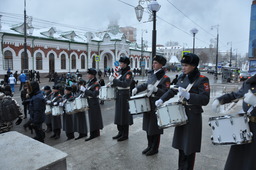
202, 76
165, 76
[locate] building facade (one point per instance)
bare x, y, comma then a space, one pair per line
53, 50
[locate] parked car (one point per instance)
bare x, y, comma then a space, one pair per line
244, 75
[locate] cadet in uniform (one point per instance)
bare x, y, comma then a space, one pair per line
80, 123
242, 156
158, 83
48, 117
92, 93
187, 138
123, 118
68, 126
56, 120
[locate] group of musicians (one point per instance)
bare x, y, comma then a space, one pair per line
192, 88
75, 122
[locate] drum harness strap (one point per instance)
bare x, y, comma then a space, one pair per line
156, 84
187, 89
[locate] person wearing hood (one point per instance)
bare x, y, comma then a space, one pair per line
242, 156
187, 138
92, 93
123, 118
158, 83
12, 82
37, 110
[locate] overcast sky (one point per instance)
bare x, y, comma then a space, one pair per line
232, 16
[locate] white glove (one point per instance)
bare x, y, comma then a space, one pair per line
250, 98
48, 102
134, 91
151, 88
82, 88
216, 106
159, 102
55, 103
183, 93
61, 104
111, 78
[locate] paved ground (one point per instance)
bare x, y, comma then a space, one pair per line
105, 153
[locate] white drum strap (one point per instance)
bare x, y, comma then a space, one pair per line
187, 89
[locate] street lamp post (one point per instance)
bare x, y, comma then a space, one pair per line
25, 34
153, 7
194, 31
142, 63
230, 59
217, 53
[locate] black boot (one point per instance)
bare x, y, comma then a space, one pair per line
70, 136
150, 141
93, 135
57, 134
49, 128
119, 128
125, 133
81, 135
155, 146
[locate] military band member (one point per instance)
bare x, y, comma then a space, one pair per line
56, 120
80, 123
92, 93
242, 156
68, 126
158, 83
48, 117
123, 118
187, 138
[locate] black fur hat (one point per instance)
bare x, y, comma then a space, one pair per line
125, 60
92, 71
68, 88
160, 59
190, 58
47, 88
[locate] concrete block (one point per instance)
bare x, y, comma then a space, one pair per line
21, 152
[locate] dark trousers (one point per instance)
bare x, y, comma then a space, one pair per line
186, 162
123, 130
21, 85
56, 132
25, 107
153, 142
40, 135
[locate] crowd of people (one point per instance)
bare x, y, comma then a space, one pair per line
192, 88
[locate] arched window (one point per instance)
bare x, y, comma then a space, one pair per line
39, 61
131, 62
8, 62
136, 63
93, 62
63, 61
73, 62
82, 62
147, 63
24, 61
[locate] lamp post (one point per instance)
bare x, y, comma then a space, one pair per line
25, 34
153, 7
217, 53
142, 63
230, 59
194, 31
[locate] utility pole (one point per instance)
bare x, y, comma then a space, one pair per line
25, 38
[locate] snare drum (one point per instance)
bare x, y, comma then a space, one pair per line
230, 129
139, 104
57, 110
172, 114
107, 93
81, 104
70, 107
48, 109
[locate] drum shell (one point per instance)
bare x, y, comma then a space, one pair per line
57, 110
107, 93
230, 129
171, 115
48, 109
70, 107
139, 105
81, 104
